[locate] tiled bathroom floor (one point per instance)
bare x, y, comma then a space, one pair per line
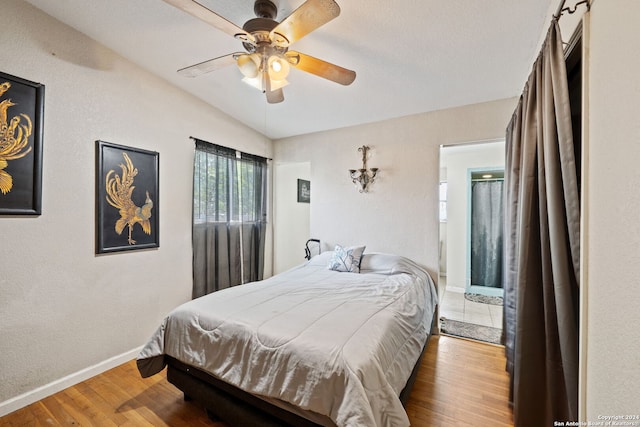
454, 306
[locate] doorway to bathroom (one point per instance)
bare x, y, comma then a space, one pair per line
471, 221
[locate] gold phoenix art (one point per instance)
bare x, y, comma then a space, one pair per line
14, 138
119, 191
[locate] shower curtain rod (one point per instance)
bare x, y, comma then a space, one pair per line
486, 179
562, 9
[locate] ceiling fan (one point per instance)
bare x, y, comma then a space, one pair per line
267, 60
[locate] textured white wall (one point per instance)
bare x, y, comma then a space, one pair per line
400, 213
612, 234
62, 308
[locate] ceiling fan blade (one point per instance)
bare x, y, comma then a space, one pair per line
207, 15
311, 15
321, 68
208, 66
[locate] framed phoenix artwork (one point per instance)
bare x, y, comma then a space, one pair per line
127, 189
21, 123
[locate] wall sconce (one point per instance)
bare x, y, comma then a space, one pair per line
363, 177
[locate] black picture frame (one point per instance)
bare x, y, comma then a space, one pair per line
304, 191
21, 158
126, 219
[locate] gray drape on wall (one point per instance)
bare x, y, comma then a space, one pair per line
486, 233
229, 218
542, 247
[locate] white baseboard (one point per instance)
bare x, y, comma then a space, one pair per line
456, 289
40, 393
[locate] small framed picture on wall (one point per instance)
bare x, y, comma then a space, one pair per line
304, 191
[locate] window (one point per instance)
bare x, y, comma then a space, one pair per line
229, 186
229, 217
443, 201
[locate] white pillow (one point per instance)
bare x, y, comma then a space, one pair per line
321, 259
346, 259
374, 262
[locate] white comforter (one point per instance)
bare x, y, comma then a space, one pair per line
338, 344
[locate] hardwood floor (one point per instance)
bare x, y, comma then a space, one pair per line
460, 383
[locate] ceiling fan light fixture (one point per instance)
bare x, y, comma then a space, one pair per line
278, 67
255, 82
260, 84
267, 61
249, 65
278, 84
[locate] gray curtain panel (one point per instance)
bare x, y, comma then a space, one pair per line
487, 214
229, 218
542, 246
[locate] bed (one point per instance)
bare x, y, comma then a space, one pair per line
316, 345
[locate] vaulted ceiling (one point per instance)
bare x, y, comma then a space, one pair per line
410, 56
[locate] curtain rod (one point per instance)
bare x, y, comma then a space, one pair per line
562, 9
229, 148
559, 11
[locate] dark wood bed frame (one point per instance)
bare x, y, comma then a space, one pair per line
236, 407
